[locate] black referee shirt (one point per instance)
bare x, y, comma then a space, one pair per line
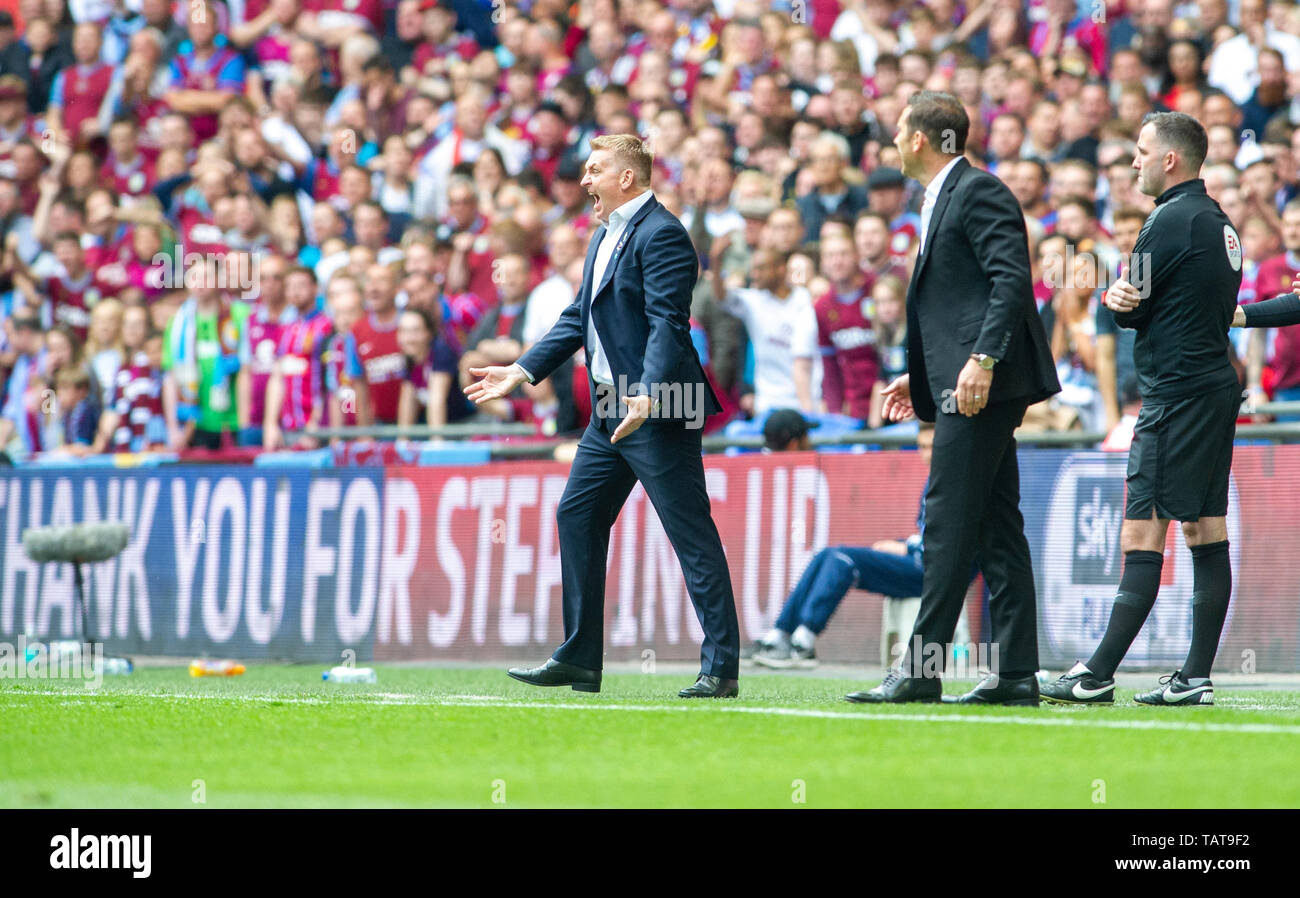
1187, 263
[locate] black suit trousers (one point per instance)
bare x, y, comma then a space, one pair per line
972, 515
665, 457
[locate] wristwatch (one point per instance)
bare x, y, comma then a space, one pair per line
985, 361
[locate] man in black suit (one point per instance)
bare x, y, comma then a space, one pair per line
632, 316
977, 358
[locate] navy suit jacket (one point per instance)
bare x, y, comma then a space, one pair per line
642, 308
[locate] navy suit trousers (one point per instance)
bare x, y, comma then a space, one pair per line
665, 457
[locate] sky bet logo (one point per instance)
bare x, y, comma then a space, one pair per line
88, 852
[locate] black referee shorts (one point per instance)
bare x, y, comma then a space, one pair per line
1180, 457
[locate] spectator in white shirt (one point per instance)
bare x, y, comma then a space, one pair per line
553, 295
783, 330
1234, 65
464, 144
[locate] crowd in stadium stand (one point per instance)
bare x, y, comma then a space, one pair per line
233, 222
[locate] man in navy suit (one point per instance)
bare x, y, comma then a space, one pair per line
649, 401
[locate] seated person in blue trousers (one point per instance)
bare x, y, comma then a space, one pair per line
890, 567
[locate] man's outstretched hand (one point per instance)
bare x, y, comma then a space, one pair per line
495, 382
898, 399
638, 410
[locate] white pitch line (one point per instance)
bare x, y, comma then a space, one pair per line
1049, 718
1057, 718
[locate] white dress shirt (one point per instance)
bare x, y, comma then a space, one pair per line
618, 219
932, 197
597, 361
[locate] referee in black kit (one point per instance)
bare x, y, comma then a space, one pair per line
1180, 293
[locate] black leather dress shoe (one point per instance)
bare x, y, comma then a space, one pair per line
995, 690
897, 689
557, 673
711, 687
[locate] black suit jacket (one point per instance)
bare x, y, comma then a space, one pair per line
642, 308
972, 292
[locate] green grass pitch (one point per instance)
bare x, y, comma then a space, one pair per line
453, 737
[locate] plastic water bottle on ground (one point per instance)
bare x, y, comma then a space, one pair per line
344, 674
201, 667
118, 666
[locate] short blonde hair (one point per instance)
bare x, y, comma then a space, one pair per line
630, 151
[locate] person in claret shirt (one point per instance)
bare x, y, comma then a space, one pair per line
845, 334
345, 380
375, 337
520, 101
475, 254
266, 35
144, 272
27, 167
887, 195
258, 341
440, 43
1274, 277
72, 292
140, 86
547, 140
191, 201
127, 169
320, 178
1064, 27
109, 242
545, 43
133, 419
205, 73
79, 90
295, 393
386, 99
874, 243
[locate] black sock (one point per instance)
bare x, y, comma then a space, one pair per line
1137, 593
1211, 589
